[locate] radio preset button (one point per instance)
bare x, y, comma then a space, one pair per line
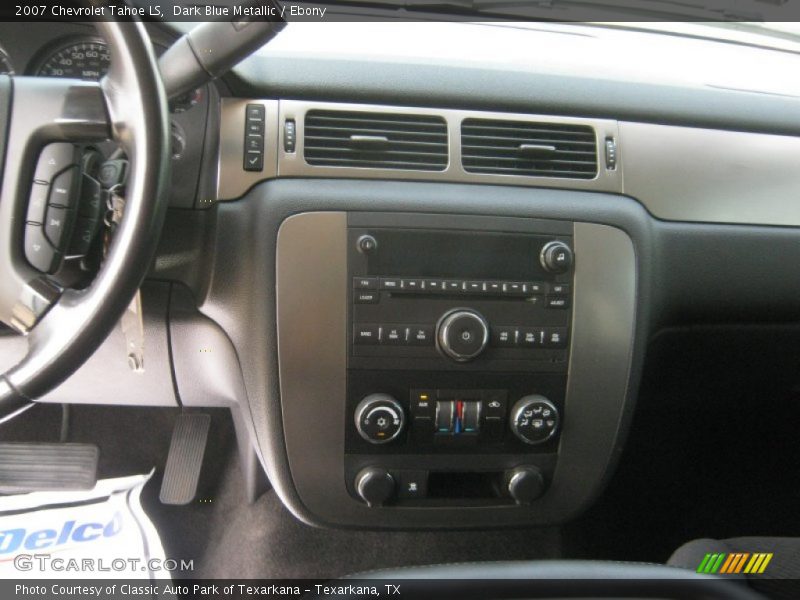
454, 286
514, 288
412, 285
434, 285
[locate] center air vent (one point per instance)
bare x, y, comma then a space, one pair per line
529, 149
375, 140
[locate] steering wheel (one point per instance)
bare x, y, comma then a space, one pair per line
129, 105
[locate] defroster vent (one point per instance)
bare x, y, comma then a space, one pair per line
336, 138
529, 149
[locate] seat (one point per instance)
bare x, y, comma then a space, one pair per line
553, 579
781, 577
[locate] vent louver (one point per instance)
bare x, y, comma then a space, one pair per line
527, 148
336, 138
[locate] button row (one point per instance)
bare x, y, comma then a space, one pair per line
529, 337
393, 335
459, 286
254, 137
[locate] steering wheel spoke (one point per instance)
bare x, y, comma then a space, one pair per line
46, 121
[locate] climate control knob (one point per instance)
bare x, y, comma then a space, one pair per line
374, 485
556, 257
379, 418
462, 334
534, 419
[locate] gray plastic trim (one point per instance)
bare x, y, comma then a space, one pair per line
712, 176
311, 296
234, 181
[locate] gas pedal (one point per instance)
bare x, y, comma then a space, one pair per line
185, 459
39, 466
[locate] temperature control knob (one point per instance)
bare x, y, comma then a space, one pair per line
556, 257
534, 419
375, 485
462, 334
379, 418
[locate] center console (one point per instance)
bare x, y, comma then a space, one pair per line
451, 370
458, 350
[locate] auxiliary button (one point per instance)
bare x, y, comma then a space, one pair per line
365, 335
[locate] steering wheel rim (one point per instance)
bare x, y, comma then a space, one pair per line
129, 105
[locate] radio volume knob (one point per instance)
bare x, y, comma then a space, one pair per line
379, 418
462, 334
556, 257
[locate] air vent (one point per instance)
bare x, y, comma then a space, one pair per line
528, 149
375, 140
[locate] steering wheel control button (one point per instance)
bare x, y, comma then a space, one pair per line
367, 244
113, 173
462, 334
375, 486
525, 484
37, 203
254, 129
379, 418
534, 419
62, 190
556, 257
82, 236
56, 225
53, 159
90, 203
40, 254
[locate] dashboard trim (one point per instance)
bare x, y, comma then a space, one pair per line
233, 181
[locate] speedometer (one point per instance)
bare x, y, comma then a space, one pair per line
88, 59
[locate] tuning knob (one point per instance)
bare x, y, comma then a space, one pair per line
462, 334
556, 257
525, 484
374, 485
379, 418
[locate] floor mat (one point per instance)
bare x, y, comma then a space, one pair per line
65, 535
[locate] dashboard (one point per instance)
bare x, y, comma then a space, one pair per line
425, 283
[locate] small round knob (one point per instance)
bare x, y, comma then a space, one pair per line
367, 244
525, 484
374, 485
556, 257
379, 418
534, 419
462, 334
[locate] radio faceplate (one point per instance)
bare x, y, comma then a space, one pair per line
458, 347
